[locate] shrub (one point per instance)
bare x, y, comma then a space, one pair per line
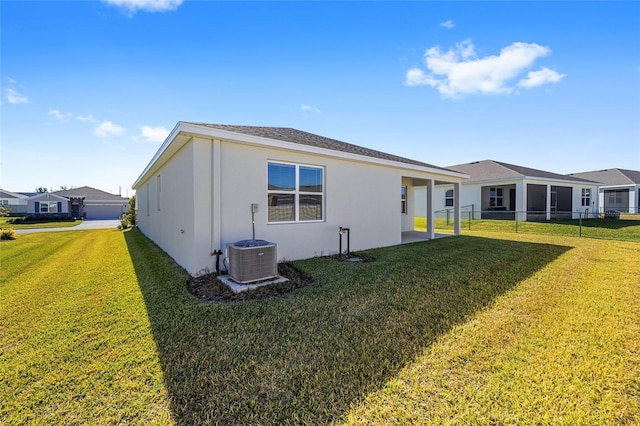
7, 234
129, 218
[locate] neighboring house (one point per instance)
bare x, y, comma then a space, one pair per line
209, 183
15, 202
92, 203
620, 189
48, 204
498, 190
84, 202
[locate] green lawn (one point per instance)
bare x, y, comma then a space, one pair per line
37, 225
627, 228
484, 328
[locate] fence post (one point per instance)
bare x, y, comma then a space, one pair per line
580, 222
516, 216
470, 213
447, 217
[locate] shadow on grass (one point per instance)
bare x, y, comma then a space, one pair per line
305, 357
606, 223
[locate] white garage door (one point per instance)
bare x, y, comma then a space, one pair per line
103, 212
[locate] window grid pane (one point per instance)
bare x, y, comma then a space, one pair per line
282, 177
281, 208
310, 207
310, 179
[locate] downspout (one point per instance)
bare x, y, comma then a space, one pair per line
216, 196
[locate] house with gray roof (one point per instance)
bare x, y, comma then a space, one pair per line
211, 185
84, 202
497, 190
620, 189
92, 203
14, 202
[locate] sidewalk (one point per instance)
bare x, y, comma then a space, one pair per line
85, 225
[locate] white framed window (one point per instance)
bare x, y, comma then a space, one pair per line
495, 197
448, 198
49, 207
403, 200
586, 197
615, 197
295, 192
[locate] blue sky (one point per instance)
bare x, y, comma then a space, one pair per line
91, 88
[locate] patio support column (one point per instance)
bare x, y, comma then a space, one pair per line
633, 196
521, 201
430, 211
457, 208
548, 208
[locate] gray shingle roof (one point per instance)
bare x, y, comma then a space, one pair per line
287, 134
88, 193
490, 169
612, 176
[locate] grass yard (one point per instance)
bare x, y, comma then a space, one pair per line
485, 328
627, 228
37, 225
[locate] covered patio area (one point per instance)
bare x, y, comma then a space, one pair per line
418, 236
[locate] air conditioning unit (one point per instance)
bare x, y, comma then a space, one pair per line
252, 260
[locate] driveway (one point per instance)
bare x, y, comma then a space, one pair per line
85, 225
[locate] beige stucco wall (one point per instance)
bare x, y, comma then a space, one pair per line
193, 221
357, 196
173, 226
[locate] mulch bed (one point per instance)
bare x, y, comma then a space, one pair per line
208, 287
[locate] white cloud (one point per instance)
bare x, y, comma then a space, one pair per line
459, 71
59, 115
538, 78
132, 6
14, 97
107, 128
309, 108
154, 134
87, 118
447, 24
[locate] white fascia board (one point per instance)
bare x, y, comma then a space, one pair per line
174, 133
48, 195
622, 186
106, 202
291, 146
528, 178
500, 181
558, 181
14, 195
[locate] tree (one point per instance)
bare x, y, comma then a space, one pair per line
42, 189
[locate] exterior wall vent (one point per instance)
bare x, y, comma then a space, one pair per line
252, 260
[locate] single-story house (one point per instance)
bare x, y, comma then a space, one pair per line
92, 203
15, 202
84, 202
48, 204
499, 190
620, 189
210, 185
